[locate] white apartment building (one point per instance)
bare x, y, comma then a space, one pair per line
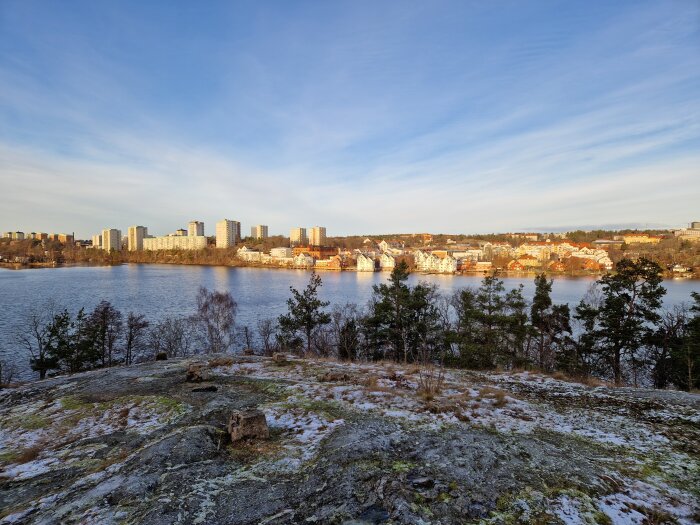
175, 242
97, 241
297, 237
111, 239
226, 233
135, 237
259, 231
195, 228
280, 253
318, 236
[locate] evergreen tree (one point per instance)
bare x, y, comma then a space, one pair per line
106, 321
403, 319
618, 329
550, 325
305, 314
491, 326
686, 357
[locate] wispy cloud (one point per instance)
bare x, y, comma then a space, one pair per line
364, 118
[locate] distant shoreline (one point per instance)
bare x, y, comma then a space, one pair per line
503, 273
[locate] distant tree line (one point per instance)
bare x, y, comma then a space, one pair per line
618, 331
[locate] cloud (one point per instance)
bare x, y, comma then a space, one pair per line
365, 123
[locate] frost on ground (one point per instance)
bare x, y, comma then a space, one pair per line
348, 442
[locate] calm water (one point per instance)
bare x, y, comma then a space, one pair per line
161, 290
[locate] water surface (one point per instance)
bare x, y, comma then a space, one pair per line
158, 291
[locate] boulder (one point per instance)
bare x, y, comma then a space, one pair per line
248, 351
197, 372
161, 356
248, 424
279, 357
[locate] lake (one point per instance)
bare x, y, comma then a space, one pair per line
158, 291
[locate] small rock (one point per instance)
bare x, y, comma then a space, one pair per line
248, 351
208, 388
197, 372
421, 481
332, 375
248, 424
279, 357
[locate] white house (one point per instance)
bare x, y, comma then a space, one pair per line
387, 262
365, 263
303, 260
249, 255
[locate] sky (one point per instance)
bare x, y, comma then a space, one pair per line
366, 117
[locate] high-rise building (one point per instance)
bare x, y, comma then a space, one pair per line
135, 238
111, 239
195, 228
259, 231
318, 236
297, 236
97, 241
226, 233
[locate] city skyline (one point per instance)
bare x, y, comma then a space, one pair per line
398, 117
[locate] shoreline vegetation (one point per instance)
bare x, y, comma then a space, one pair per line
618, 331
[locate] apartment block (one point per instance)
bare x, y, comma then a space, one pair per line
195, 228
318, 236
111, 239
97, 241
227, 233
135, 237
281, 252
259, 231
175, 242
297, 237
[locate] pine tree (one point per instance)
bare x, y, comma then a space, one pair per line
618, 328
305, 313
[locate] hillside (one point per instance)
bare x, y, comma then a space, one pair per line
349, 443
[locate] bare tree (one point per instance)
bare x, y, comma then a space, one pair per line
35, 337
136, 325
172, 336
7, 373
266, 331
215, 320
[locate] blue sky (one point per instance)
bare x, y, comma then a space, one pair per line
363, 116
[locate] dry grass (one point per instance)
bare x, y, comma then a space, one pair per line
430, 382
221, 361
371, 382
582, 380
29, 454
499, 396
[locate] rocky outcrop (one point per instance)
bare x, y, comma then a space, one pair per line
301, 443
